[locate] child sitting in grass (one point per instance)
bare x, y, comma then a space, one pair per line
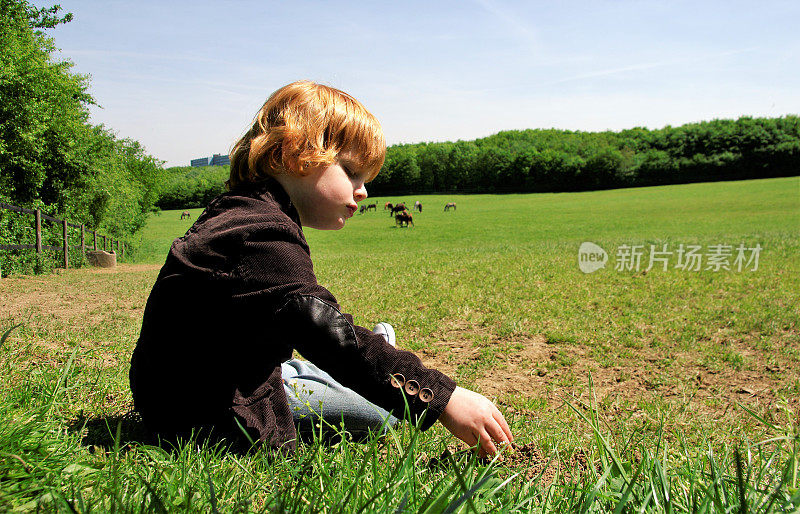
238, 294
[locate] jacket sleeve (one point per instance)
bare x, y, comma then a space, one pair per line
276, 271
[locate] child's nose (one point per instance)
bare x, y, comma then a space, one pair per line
360, 193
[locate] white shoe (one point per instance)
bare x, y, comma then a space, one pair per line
386, 331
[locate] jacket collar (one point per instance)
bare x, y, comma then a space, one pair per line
271, 190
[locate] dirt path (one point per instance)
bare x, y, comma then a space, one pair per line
64, 292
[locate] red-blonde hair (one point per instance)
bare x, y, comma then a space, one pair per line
306, 124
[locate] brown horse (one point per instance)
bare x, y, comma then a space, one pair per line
372, 207
404, 218
388, 205
451, 205
400, 207
185, 215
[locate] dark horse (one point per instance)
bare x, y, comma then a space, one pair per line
400, 207
404, 218
185, 215
418, 206
372, 207
450, 205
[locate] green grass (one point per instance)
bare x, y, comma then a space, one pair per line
713, 212
683, 385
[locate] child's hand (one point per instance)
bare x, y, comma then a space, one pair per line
471, 416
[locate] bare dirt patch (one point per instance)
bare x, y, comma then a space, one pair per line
58, 295
93, 311
556, 373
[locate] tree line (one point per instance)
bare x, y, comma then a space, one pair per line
184, 186
51, 156
549, 160
562, 160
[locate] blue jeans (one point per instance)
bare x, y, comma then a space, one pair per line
315, 396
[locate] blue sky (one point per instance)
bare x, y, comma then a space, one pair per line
186, 78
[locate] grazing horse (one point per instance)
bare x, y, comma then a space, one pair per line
400, 207
450, 205
362, 209
185, 215
404, 218
388, 206
418, 206
372, 207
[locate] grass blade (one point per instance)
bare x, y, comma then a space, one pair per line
8, 333
604, 444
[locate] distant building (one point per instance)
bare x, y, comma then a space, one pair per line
220, 160
215, 160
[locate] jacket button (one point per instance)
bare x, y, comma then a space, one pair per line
412, 387
398, 380
426, 395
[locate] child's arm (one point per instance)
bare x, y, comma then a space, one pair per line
472, 418
273, 281
275, 270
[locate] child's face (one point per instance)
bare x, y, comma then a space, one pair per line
327, 196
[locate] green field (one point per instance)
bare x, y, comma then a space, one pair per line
599, 374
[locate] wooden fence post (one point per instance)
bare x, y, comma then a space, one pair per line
104, 243
66, 244
38, 231
122, 254
83, 241
94, 237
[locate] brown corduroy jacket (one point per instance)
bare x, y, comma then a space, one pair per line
236, 295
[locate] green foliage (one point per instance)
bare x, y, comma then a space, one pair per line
558, 160
562, 160
42, 108
51, 157
189, 187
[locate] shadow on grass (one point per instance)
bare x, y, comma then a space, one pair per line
124, 430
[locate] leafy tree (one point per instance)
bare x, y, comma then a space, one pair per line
186, 187
601, 169
51, 157
562, 160
406, 170
43, 106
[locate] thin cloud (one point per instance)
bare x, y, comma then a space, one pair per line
513, 22
648, 66
618, 70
